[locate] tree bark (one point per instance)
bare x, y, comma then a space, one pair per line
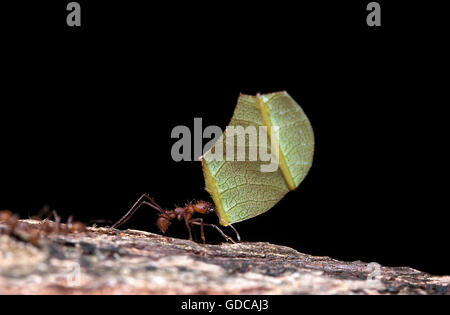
106, 261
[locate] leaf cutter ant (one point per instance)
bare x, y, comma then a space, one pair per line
45, 227
10, 219
180, 213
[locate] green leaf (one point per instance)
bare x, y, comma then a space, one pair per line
240, 189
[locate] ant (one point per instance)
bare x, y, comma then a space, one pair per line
186, 214
47, 227
10, 219
56, 226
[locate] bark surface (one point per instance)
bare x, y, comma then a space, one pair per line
106, 261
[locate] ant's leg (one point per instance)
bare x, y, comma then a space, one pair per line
235, 231
201, 228
135, 207
202, 233
45, 211
218, 229
130, 213
57, 221
69, 224
189, 228
154, 202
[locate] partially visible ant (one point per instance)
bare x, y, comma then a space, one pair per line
47, 226
10, 219
186, 214
56, 226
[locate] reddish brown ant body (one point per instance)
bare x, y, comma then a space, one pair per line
46, 227
56, 226
10, 219
180, 213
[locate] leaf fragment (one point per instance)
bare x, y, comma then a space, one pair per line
240, 189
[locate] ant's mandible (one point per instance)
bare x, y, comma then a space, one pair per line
186, 214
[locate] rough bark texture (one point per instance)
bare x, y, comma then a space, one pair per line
105, 261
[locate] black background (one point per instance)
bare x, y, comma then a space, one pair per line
86, 115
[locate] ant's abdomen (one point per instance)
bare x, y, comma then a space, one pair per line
163, 223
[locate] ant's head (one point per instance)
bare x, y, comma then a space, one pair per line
204, 207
